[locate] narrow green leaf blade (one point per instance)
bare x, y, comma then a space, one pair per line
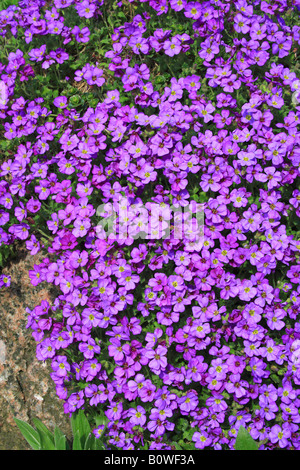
244, 441
41, 426
60, 440
29, 433
80, 425
89, 443
99, 445
101, 419
46, 437
76, 441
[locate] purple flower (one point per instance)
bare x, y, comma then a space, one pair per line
236, 385
81, 35
280, 434
137, 416
38, 53
61, 366
193, 10
201, 439
157, 358
172, 46
188, 402
5, 280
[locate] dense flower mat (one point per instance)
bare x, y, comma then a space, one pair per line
172, 342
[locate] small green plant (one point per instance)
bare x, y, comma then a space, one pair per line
244, 441
40, 438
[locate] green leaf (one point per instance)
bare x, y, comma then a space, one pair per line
89, 443
99, 444
46, 437
244, 441
176, 445
111, 22
93, 443
145, 447
60, 440
8, 3
29, 433
80, 426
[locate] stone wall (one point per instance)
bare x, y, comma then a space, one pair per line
26, 389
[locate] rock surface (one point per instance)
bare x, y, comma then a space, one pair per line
26, 389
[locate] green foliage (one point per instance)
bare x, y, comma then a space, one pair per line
40, 438
244, 441
45, 436
60, 440
6, 253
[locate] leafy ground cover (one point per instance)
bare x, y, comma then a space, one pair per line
167, 340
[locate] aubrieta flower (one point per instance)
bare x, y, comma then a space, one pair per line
150, 313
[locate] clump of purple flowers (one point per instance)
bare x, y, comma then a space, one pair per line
172, 341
